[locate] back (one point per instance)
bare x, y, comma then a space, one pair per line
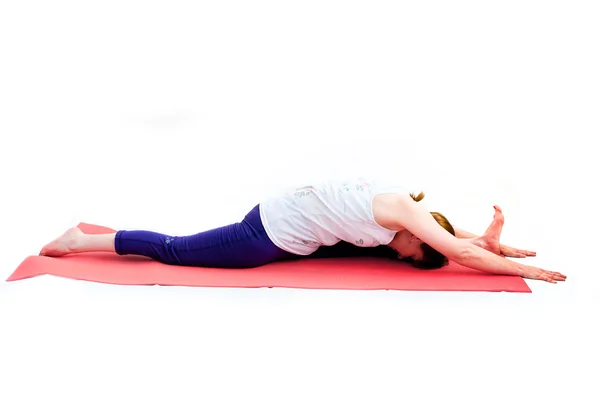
305, 218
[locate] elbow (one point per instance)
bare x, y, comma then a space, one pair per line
465, 255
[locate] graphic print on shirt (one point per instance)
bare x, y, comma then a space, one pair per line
361, 242
323, 214
361, 185
304, 191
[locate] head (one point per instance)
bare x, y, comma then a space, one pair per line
411, 248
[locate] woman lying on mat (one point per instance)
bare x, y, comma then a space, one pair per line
335, 219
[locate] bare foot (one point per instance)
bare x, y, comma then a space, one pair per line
495, 229
490, 240
63, 245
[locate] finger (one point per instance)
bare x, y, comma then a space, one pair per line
555, 273
556, 276
548, 278
525, 252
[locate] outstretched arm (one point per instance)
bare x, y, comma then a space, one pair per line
460, 233
415, 218
505, 250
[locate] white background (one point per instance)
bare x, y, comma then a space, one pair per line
180, 116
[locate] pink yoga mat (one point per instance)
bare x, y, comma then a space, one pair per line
342, 273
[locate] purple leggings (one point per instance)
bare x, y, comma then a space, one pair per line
239, 245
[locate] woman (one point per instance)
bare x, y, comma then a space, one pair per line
319, 221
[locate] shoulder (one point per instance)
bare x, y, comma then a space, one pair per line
388, 206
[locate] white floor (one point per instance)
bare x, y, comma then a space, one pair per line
179, 117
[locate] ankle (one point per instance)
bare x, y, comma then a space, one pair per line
76, 244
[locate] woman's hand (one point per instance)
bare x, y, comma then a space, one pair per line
536, 273
397, 212
514, 252
490, 240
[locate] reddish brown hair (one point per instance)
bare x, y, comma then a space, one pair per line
432, 259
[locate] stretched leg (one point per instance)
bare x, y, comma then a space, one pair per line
243, 244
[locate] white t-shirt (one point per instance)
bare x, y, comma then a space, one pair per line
303, 219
